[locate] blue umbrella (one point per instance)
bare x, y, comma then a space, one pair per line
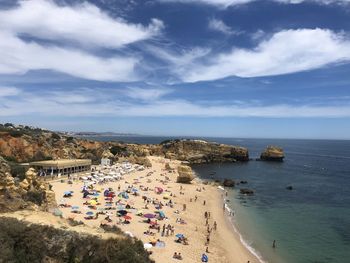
68, 192
179, 235
75, 207
90, 213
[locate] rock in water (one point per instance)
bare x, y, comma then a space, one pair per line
272, 153
229, 183
245, 191
185, 174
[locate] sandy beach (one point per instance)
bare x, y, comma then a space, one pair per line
224, 244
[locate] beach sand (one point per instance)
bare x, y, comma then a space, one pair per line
224, 246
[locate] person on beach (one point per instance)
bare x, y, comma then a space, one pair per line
195, 198
204, 202
215, 225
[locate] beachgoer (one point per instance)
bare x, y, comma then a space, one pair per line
204, 202
215, 225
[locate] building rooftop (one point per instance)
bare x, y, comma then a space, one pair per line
62, 163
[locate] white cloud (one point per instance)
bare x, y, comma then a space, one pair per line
227, 3
8, 91
285, 52
146, 94
70, 38
84, 24
101, 102
18, 57
220, 26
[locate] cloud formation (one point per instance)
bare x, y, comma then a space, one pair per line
84, 24
228, 3
287, 51
87, 102
41, 35
220, 26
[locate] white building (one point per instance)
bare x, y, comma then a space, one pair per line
105, 162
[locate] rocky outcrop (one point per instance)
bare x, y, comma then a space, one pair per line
229, 183
198, 151
245, 191
185, 174
30, 193
272, 153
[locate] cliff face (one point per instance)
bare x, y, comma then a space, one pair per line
196, 151
30, 193
25, 145
272, 153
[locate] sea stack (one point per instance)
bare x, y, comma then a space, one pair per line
272, 153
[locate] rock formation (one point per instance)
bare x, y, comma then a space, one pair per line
185, 174
228, 183
245, 191
272, 153
197, 151
31, 193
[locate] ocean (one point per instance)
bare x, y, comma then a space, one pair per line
311, 223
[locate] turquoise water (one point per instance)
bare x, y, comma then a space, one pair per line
311, 223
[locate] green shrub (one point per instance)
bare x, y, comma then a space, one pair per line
35, 197
23, 242
116, 150
55, 136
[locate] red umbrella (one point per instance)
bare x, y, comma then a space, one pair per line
127, 217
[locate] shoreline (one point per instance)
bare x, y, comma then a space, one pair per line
225, 244
231, 223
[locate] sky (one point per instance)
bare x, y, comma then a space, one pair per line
220, 68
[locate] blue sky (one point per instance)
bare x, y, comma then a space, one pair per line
231, 68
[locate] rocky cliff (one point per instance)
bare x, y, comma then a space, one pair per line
272, 153
30, 193
29, 144
198, 151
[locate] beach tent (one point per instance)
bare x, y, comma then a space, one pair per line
179, 236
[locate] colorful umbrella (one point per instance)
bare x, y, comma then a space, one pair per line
90, 213
149, 215
122, 212
179, 235
127, 217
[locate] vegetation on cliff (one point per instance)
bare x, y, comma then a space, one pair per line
24, 242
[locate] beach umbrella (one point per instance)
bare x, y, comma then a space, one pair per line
57, 212
89, 213
120, 207
127, 217
75, 207
134, 190
149, 216
122, 212
147, 246
93, 202
161, 214
179, 235
67, 192
139, 213
166, 196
